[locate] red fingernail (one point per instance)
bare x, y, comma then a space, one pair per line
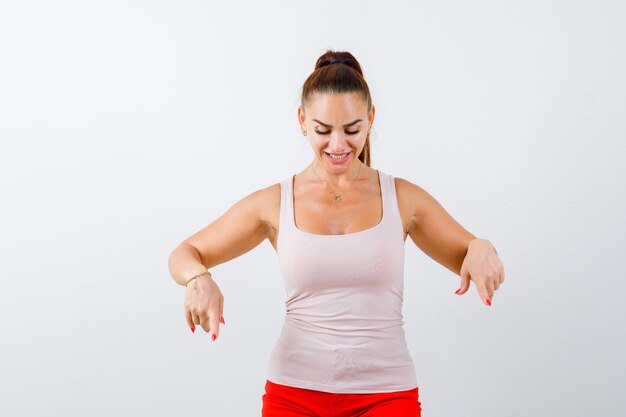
222, 320
488, 302
214, 337
193, 330
457, 291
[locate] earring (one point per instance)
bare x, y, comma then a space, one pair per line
304, 132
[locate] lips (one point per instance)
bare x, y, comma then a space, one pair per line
338, 160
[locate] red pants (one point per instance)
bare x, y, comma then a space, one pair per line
285, 401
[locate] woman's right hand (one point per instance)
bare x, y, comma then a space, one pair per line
204, 305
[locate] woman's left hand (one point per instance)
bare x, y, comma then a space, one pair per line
481, 265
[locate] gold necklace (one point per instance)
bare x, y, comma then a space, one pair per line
338, 196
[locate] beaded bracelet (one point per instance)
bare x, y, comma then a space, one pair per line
196, 276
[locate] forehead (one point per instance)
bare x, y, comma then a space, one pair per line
336, 106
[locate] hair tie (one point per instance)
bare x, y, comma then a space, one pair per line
336, 60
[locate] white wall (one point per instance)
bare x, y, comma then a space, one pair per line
126, 126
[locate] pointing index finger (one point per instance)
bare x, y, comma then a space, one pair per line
483, 292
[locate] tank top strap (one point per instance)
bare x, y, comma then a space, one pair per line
384, 192
286, 204
390, 204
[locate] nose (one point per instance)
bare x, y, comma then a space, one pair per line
338, 142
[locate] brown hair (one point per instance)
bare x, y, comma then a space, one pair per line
347, 77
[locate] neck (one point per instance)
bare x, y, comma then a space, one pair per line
341, 180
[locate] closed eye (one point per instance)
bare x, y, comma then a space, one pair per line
326, 133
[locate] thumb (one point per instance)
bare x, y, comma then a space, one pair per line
465, 282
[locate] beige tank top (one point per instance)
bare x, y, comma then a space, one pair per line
343, 329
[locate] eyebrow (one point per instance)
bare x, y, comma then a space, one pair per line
346, 125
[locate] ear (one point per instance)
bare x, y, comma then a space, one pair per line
371, 115
300, 114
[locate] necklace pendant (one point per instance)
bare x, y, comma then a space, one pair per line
338, 198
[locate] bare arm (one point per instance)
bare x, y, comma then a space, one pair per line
442, 238
432, 228
240, 229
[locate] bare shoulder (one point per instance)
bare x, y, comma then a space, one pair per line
241, 228
431, 227
412, 199
265, 202
269, 208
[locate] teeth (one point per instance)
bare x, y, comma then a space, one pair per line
337, 156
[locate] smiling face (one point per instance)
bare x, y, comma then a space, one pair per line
337, 127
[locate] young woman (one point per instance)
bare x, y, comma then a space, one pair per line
339, 229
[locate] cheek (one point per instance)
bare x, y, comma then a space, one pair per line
317, 144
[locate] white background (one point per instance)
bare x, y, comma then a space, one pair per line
126, 126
